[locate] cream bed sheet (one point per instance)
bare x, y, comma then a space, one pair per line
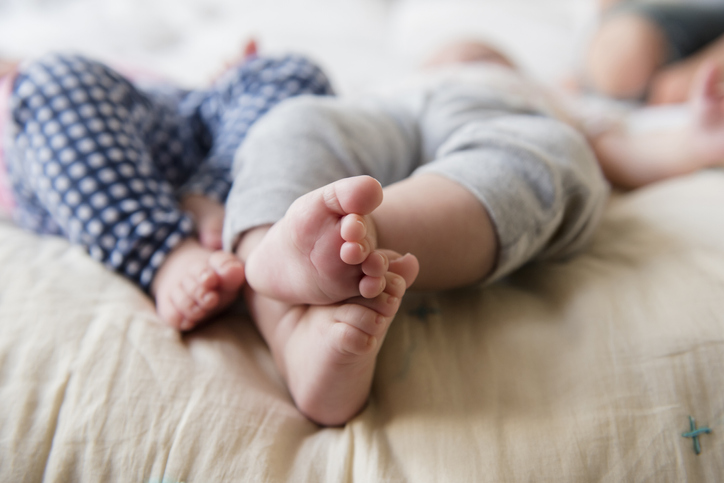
583, 370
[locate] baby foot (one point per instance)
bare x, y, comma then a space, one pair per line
324, 249
195, 283
329, 356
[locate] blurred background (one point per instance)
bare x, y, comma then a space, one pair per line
359, 42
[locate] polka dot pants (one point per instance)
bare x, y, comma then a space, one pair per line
103, 162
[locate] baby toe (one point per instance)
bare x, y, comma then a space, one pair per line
353, 228
376, 264
205, 298
395, 285
189, 311
362, 318
348, 338
168, 313
387, 303
371, 287
207, 301
230, 270
354, 253
204, 276
407, 266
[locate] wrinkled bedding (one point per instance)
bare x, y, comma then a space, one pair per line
585, 369
581, 370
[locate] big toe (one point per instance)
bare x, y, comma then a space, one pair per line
359, 194
230, 270
407, 266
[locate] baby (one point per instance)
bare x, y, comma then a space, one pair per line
632, 158
466, 170
470, 170
137, 173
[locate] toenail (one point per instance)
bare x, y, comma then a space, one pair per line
385, 260
393, 300
228, 265
379, 320
206, 299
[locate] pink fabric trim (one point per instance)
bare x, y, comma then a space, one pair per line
6, 196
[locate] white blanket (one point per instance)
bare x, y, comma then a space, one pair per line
581, 370
584, 370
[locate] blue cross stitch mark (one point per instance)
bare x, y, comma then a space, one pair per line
694, 434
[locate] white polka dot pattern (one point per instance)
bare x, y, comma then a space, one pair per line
102, 162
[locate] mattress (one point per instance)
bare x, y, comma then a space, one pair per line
580, 370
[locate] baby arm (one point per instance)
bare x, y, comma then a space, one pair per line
631, 160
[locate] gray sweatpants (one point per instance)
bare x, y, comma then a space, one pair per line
536, 176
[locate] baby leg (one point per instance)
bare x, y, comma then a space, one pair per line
87, 162
327, 353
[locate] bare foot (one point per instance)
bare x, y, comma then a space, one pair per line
324, 250
195, 283
327, 353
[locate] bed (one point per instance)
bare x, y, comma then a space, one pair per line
608, 366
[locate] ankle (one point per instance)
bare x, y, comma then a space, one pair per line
249, 241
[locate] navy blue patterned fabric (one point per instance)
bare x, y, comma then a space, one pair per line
103, 163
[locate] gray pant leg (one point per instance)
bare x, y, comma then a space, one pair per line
536, 176
308, 142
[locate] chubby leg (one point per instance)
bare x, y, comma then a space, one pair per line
327, 353
91, 161
502, 190
444, 225
470, 196
438, 220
